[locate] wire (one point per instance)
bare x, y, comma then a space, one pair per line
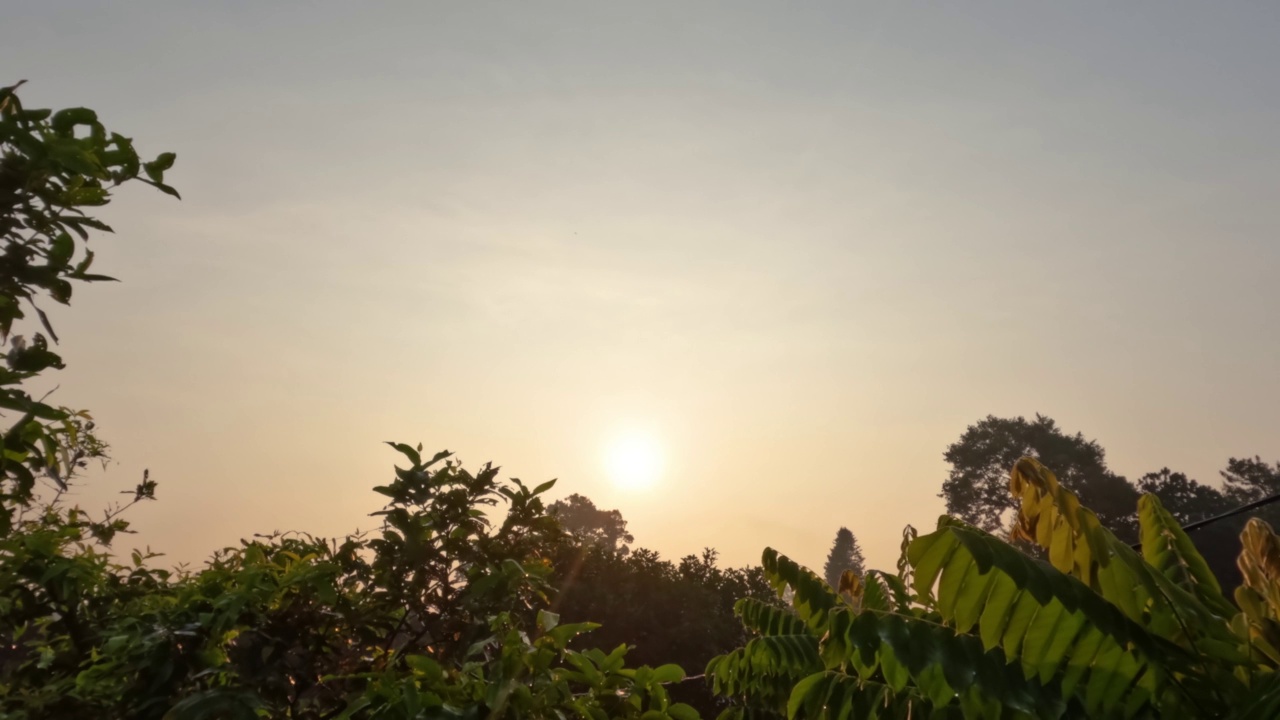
1243, 508
1230, 513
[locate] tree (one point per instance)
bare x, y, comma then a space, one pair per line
970, 627
1249, 479
1245, 480
845, 556
441, 612
1184, 498
976, 490
53, 166
589, 524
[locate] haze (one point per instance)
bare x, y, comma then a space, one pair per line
794, 248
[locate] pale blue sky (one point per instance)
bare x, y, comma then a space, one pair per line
800, 245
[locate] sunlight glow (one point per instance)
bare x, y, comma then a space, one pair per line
634, 461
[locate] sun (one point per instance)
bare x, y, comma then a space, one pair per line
634, 461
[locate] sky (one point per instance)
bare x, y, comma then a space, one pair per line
768, 258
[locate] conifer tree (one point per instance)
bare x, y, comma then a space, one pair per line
845, 555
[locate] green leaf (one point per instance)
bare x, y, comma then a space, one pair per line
215, 705
562, 634
767, 619
547, 620
407, 450
64, 121
155, 169
668, 673
61, 250
167, 190
813, 598
1167, 548
800, 695
681, 711
424, 665
353, 707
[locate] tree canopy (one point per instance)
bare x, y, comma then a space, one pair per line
1248, 479
976, 490
581, 518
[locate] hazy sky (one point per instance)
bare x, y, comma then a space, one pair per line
798, 246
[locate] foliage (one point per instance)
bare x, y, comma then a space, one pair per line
589, 524
439, 614
671, 612
970, 627
53, 166
845, 556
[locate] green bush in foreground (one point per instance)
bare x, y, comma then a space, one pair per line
969, 627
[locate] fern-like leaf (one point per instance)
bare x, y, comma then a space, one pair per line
812, 597
1052, 624
835, 696
766, 619
1168, 549
765, 669
1078, 545
916, 655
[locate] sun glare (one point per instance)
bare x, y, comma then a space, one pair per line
634, 461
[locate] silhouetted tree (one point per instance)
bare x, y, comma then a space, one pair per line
581, 518
1249, 479
845, 555
977, 489
1187, 499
